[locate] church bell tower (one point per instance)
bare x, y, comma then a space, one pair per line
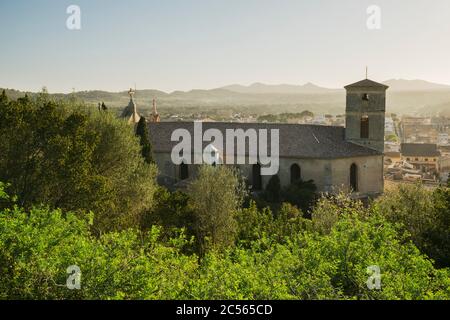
365, 114
155, 115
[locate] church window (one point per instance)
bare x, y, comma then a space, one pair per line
184, 171
256, 177
364, 127
354, 177
295, 173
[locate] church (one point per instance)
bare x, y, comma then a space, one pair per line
346, 158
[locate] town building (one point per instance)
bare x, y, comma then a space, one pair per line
335, 158
155, 115
423, 156
130, 112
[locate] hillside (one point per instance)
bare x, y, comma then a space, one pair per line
414, 85
261, 88
404, 96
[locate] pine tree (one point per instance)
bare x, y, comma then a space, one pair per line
3, 97
273, 189
142, 132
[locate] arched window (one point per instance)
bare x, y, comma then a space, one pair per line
296, 173
184, 171
365, 127
354, 177
256, 177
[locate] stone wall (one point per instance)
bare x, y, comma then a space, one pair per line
374, 109
328, 175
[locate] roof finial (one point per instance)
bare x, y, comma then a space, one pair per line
367, 69
155, 115
131, 93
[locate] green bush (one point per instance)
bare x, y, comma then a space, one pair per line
67, 156
37, 247
424, 214
214, 197
273, 189
301, 194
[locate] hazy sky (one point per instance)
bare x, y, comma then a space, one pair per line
181, 45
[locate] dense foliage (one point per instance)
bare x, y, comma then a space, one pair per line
214, 198
37, 247
77, 191
424, 215
144, 139
302, 194
65, 156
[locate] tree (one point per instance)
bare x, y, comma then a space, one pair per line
301, 194
424, 215
68, 158
38, 245
3, 97
273, 189
254, 224
392, 138
146, 145
172, 213
306, 113
323, 266
214, 197
329, 209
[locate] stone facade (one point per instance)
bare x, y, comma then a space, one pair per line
335, 158
329, 175
366, 99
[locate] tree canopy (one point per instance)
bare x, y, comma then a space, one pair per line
38, 245
146, 145
67, 157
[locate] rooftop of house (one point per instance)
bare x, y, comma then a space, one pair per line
420, 150
366, 83
296, 140
392, 154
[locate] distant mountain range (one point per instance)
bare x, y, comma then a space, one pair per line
403, 96
310, 88
414, 85
261, 88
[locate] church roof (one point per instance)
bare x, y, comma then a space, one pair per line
130, 112
296, 140
419, 150
366, 83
